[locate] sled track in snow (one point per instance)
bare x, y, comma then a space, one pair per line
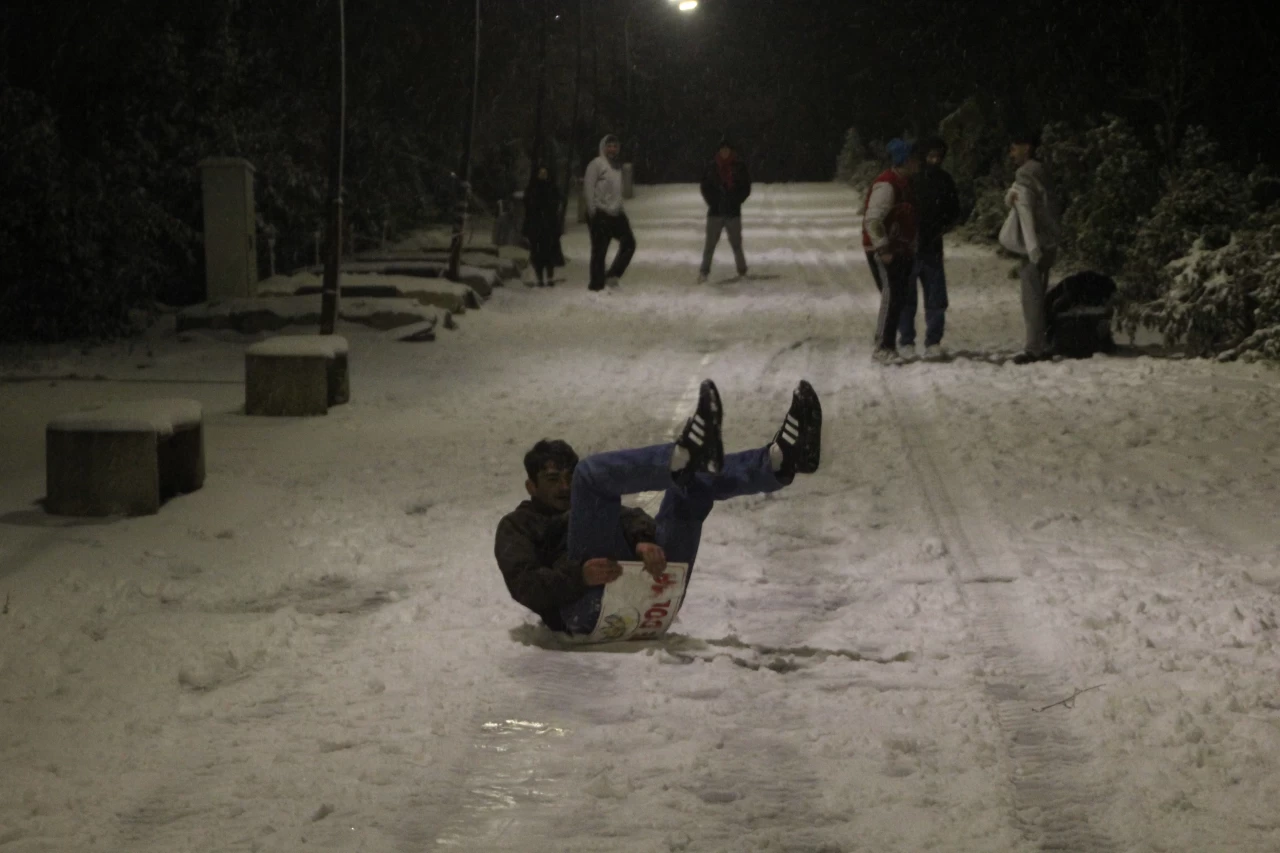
1053, 798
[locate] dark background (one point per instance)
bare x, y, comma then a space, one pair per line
787, 77
107, 106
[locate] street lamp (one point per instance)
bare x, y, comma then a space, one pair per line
685, 6
464, 190
331, 284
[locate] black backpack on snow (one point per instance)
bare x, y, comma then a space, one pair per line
1079, 315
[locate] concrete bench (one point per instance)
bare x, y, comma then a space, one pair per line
123, 459
296, 375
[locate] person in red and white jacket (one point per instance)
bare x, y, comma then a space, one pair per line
889, 225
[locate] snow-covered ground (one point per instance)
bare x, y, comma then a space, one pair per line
316, 650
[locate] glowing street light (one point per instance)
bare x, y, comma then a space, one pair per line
686, 5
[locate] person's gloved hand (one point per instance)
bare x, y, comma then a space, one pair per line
655, 559
600, 571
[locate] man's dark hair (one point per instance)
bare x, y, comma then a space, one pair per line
549, 450
1026, 136
932, 144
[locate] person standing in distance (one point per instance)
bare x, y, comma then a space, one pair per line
606, 219
726, 184
938, 205
1031, 231
889, 237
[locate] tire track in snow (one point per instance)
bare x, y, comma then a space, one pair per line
1053, 794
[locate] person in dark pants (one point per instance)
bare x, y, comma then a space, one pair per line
542, 226
726, 184
606, 219
938, 208
889, 226
559, 549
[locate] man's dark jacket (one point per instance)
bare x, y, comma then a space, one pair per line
532, 546
938, 206
721, 200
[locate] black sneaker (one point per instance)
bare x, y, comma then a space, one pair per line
800, 437
701, 435
1026, 357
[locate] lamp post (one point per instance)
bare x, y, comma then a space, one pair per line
461, 212
331, 283
685, 6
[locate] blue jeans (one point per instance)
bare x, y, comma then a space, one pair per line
932, 276
600, 481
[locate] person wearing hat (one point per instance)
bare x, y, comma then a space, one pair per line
726, 184
606, 219
1031, 231
889, 223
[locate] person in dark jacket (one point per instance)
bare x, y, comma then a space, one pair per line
559, 549
542, 226
726, 185
938, 209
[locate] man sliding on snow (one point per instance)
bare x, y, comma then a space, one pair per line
559, 549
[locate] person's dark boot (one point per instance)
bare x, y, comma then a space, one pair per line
700, 437
800, 437
1028, 357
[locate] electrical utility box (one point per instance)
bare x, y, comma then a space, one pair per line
230, 228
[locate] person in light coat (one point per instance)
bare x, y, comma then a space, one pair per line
1031, 231
606, 219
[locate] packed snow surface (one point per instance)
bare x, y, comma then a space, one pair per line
316, 650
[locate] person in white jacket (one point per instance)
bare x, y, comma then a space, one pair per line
1032, 232
606, 219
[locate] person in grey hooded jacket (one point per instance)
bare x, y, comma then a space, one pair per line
606, 219
1032, 232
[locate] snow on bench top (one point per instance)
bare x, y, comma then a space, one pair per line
423, 257
485, 272
287, 285
162, 417
288, 305
299, 346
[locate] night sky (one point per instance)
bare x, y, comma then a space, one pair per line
787, 78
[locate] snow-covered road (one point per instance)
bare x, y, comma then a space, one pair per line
316, 651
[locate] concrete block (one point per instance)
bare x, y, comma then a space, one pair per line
296, 375
124, 459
